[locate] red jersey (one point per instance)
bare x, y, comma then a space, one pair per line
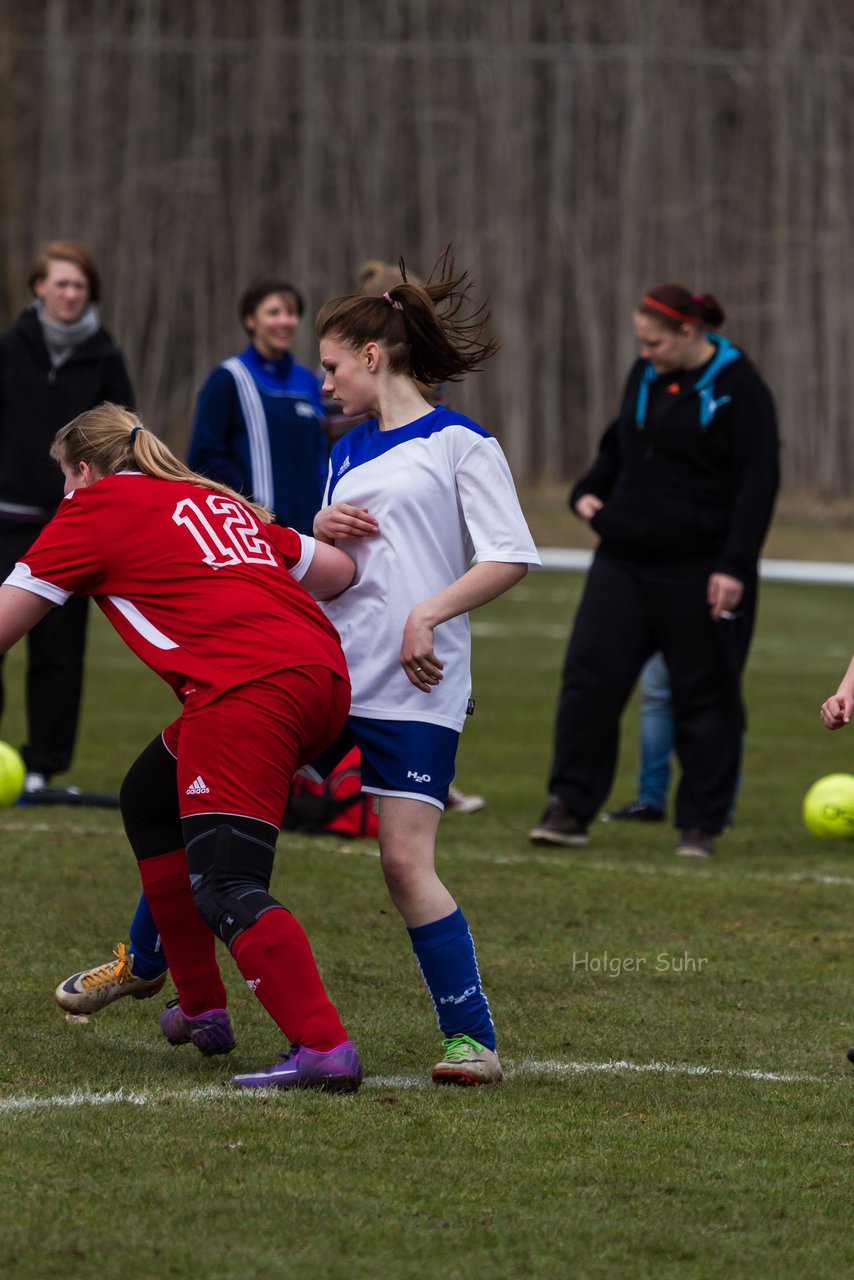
194, 584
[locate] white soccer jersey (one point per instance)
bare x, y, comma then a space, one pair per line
442, 493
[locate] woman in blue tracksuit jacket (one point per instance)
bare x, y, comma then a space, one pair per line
681, 495
259, 420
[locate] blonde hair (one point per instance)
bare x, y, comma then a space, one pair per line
375, 277
111, 438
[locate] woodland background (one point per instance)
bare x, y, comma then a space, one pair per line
575, 153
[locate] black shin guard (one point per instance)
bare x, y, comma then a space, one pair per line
230, 861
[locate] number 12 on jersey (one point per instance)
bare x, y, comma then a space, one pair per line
228, 535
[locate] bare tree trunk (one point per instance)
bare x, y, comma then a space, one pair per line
12, 208
574, 154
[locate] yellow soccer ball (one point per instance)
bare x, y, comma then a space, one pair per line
829, 807
12, 773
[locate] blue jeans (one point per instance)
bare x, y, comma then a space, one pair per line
656, 736
656, 733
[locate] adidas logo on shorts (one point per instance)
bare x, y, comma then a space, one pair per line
198, 788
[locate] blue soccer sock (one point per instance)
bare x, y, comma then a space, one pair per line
149, 960
445, 953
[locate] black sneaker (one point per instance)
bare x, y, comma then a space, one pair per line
559, 826
635, 811
694, 843
851, 1054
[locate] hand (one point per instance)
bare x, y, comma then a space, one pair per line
723, 594
836, 711
417, 655
340, 520
587, 506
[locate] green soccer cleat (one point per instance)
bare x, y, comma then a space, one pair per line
466, 1061
91, 990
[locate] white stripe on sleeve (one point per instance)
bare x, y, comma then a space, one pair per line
303, 565
22, 577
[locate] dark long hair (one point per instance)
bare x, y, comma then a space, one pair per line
422, 327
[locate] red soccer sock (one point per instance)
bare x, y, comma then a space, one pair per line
188, 942
276, 960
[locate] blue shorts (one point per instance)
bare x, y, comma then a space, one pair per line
404, 758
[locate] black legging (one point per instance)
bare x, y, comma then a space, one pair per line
229, 857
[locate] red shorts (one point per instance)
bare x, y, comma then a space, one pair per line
239, 753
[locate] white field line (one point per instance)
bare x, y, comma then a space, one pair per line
814, 572
554, 1070
570, 861
520, 631
722, 875
762, 646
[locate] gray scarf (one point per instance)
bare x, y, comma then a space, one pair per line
61, 339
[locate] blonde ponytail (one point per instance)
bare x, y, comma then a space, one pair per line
111, 439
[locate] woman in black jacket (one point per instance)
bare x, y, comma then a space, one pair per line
681, 495
56, 361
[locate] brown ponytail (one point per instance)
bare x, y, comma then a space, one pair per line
419, 325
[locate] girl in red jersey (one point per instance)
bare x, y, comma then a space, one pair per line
214, 598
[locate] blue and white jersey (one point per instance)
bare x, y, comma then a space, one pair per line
442, 493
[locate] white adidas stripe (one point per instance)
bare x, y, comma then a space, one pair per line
257, 432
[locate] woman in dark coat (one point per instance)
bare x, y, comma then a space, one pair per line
681, 495
56, 361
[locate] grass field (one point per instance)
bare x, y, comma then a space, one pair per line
677, 1102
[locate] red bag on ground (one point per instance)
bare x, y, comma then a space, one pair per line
335, 806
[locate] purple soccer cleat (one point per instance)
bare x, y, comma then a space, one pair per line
210, 1032
337, 1070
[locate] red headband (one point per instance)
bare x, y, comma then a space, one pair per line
648, 301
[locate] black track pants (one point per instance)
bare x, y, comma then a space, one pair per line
629, 611
55, 652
